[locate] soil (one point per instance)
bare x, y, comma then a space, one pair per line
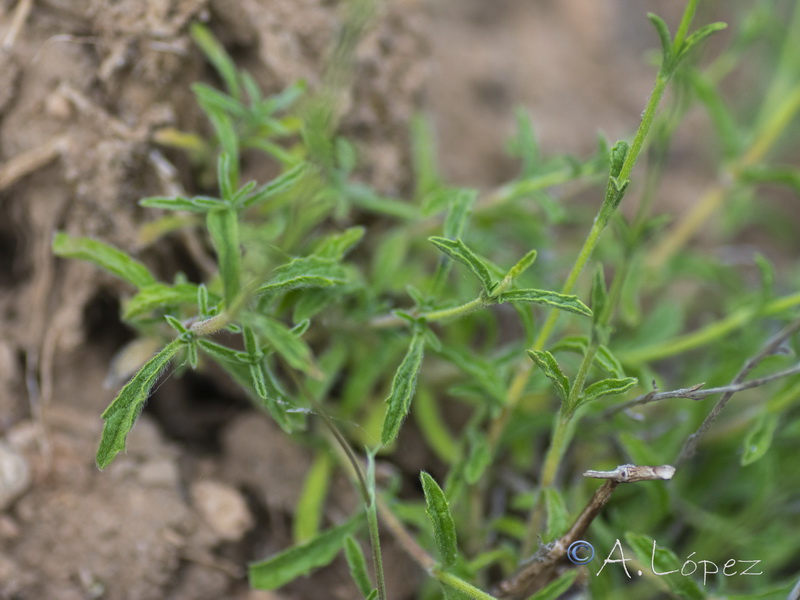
207, 483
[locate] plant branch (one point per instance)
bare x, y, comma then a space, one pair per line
551, 558
696, 393
690, 445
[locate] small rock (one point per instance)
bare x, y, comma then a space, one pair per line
223, 508
15, 475
161, 472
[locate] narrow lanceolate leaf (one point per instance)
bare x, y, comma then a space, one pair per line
335, 246
312, 500
479, 458
665, 564
458, 213
557, 515
599, 294
223, 226
358, 565
555, 589
286, 343
457, 250
285, 566
197, 204
608, 387
522, 265
759, 438
158, 295
216, 54
305, 272
444, 529
123, 411
608, 362
105, 256
547, 298
549, 366
664, 36
280, 184
403, 386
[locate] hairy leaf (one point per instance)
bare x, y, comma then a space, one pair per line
105, 256
299, 560
403, 386
557, 515
280, 184
223, 226
759, 438
546, 298
158, 295
305, 272
555, 589
608, 387
358, 565
457, 250
123, 411
666, 564
444, 529
308, 514
549, 366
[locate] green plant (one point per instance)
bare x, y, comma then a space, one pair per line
321, 316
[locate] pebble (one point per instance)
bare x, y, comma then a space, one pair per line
223, 508
15, 475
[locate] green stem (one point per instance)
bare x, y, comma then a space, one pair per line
462, 586
456, 311
375, 543
709, 333
683, 27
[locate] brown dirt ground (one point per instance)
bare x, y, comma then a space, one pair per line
83, 87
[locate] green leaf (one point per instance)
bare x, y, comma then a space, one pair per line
546, 298
618, 155
555, 589
665, 561
444, 529
279, 185
109, 258
239, 367
433, 428
607, 387
524, 145
403, 386
305, 272
479, 458
123, 411
458, 213
779, 175
223, 226
217, 56
726, 127
226, 178
557, 515
599, 295
299, 560
523, 264
335, 246
423, 157
759, 438
308, 514
212, 97
664, 36
159, 295
358, 565
457, 250
197, 204
697, 37
549, 366
608, 362
286, 343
